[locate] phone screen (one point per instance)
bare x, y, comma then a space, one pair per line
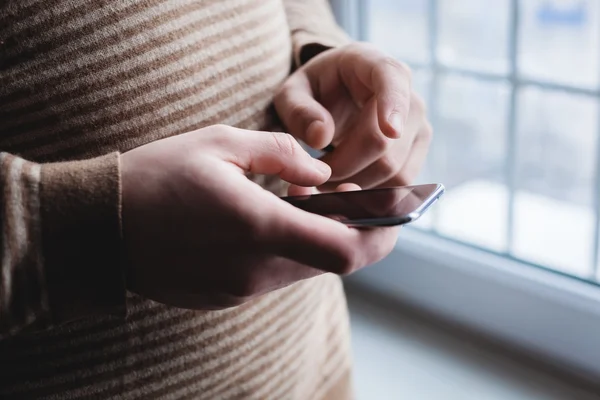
374, 207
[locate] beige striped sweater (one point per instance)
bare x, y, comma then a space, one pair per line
81, 81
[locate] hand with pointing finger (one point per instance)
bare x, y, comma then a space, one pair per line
360, 101
199, 234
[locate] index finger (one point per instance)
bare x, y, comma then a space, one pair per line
304, 117
388, 79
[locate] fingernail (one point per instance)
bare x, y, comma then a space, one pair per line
313, 132
395, 120
321, 167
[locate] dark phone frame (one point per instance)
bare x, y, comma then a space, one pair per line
389, 221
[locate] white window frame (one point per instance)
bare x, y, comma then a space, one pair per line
546, 314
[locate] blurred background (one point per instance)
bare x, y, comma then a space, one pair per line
511, 253
515, 105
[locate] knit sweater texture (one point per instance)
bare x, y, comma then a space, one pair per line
82, 81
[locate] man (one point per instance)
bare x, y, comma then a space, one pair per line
138, 261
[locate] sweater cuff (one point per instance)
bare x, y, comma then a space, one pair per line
81, 235
313, 29
307, 44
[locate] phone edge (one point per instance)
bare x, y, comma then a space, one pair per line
396, 221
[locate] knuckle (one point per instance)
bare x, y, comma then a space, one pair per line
299, 112
222, 127
377, 142
359, 47
285, 143
397, 65
355, 52
401, 99
221, 135
401, 179
388, 165
345, 262
283, 92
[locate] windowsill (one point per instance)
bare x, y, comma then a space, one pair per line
542, 314
399, 356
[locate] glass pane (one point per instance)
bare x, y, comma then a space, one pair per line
469, 158
473, 34
399, 27
554, 215
559, 41
422, 85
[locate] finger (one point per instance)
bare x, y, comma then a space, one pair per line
385, 168
413, 165
360, 148
282, 272
390, 163
310, 239
347, 187
392, 82
272, 153
295, 190
377, 243
304, 117
378, 203
381, 171
362, 247
389, 81
307, 238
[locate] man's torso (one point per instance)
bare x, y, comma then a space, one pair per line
80, 79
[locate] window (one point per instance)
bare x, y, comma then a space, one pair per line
513, 89
514, 103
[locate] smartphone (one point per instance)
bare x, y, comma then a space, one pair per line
372, 207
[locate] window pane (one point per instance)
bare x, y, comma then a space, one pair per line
556, 132
469, 158
474, 35
422, 82
422, 85
559, 41
554, 216
400, 28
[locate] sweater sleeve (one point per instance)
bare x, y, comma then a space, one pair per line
61, 242
313, 28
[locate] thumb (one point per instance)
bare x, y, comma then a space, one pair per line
272, 153
303, 116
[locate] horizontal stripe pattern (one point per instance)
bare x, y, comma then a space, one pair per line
79, 79
260, 69
167, 26
168, 353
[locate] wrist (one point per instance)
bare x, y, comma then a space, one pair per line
81, 228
